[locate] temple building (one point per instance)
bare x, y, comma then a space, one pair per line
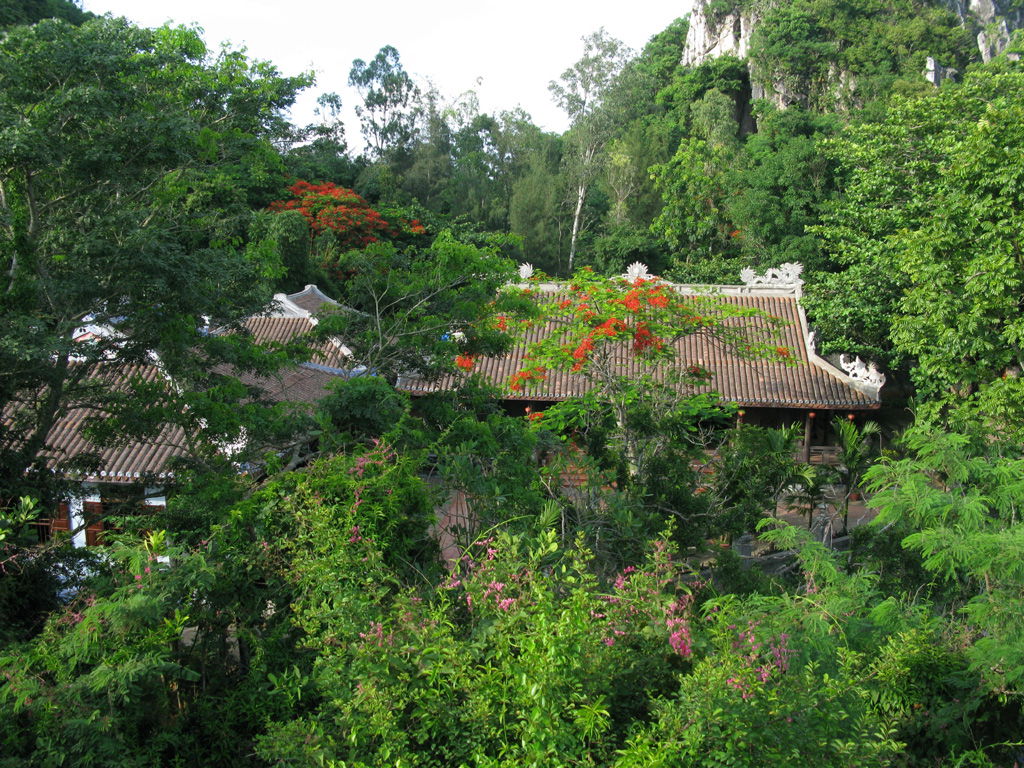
140, 470
802, 388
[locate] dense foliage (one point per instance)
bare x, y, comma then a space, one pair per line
619, 579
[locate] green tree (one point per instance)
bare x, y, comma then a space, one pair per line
660, 57
752, 468
427, 177
129, 166
390, 100
694, 184
480, 189
31, 11
319, 151
580, 94
960, 495
857, 451
536, 191
288, 234
725, 74
780, 187
931, 216
414, 311
642, 133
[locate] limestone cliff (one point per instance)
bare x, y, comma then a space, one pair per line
714, 34
718, 30
994, 20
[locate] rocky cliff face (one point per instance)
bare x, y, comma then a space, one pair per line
994, 20
724, 35
717, 34
711, 36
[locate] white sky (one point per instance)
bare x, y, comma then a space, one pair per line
507, 52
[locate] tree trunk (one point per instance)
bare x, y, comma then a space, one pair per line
577, 217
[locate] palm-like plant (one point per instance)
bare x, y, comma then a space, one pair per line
810, 488
857, 451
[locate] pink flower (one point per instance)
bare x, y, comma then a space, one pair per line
494, 587
679, 638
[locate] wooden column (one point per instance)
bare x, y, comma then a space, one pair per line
808, 424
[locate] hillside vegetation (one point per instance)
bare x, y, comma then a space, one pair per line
289, 606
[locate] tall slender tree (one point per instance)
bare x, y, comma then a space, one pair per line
390, 101
580, 94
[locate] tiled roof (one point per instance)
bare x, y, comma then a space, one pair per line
281, 330
311, 299
127, 463
150, 458
277, 329
805, 382
302, 383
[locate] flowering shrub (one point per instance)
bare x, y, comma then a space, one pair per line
734, 711
521, 655
308, 630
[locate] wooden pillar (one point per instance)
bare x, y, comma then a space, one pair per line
808, 424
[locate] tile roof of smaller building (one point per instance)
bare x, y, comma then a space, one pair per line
304, 383
126, 463
311, 299
282, 330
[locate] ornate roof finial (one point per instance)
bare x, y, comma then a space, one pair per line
637, 271
867, 375
785, 276
525, 271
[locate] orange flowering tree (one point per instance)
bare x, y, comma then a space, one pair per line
608, 329
340, 220
622, 335
330, 208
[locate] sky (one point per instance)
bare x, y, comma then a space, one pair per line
506, 52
